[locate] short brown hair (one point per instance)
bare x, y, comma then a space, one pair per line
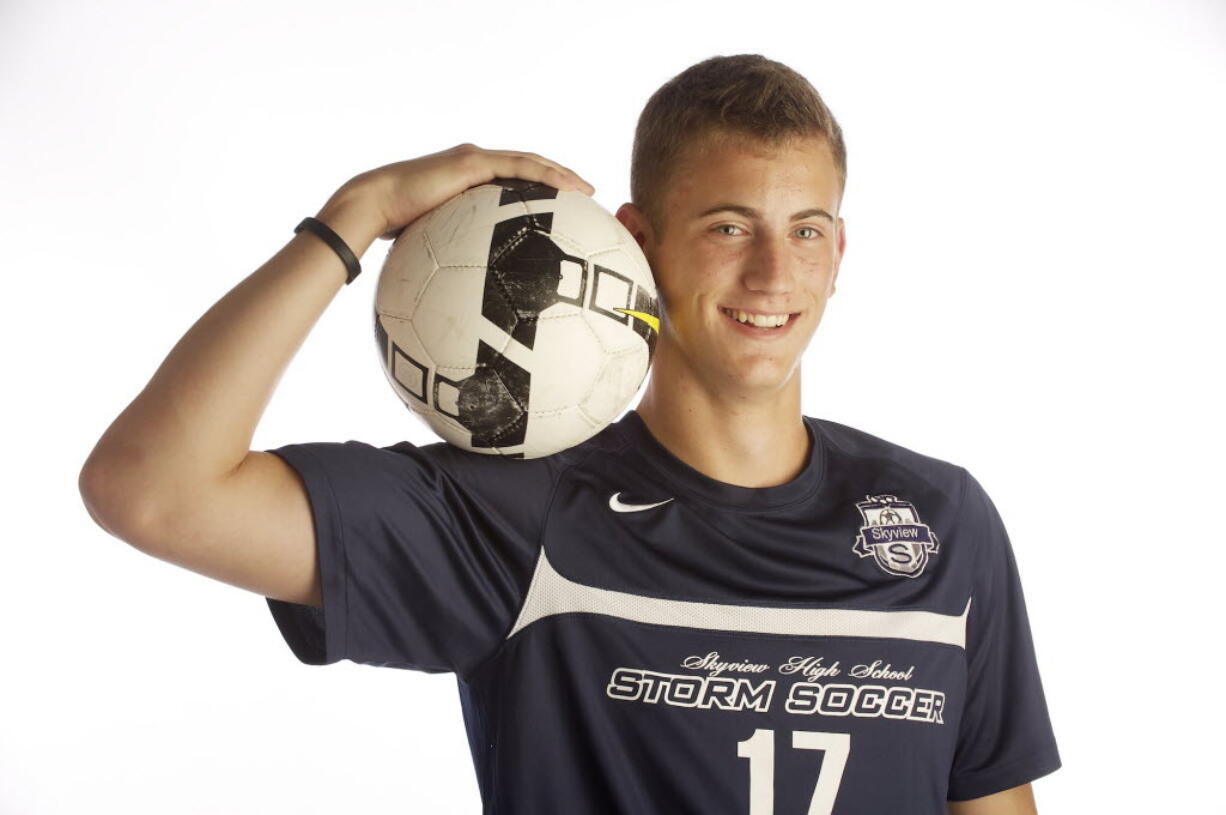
742, 95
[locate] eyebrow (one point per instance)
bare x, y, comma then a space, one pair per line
750, 212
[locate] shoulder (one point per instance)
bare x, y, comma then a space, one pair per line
517, 478
855, 455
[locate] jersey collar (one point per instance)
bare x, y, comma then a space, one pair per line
681, 476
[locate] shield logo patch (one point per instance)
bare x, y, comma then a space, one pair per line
893, 534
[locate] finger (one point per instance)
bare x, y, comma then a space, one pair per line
541, 159
520, 166
563, 170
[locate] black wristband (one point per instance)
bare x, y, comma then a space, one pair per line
334, 240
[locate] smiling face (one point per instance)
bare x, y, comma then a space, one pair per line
747, 228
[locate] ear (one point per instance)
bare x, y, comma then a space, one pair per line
838, 257
636, 224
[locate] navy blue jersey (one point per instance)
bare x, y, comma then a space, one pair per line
632, 636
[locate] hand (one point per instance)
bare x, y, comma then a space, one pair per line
406, 190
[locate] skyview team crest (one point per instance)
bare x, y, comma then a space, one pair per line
893, 534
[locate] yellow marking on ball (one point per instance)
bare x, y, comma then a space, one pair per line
651, 320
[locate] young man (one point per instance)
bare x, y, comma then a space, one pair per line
715, 605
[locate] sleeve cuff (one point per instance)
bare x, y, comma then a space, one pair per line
317, 637
1008, 776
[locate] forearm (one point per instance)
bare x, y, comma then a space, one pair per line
1015, 801
195, 419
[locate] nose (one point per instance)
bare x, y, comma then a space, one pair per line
771, 268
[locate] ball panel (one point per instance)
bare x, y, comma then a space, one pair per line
461, 228
524, 274
448, 429
565, 360
449, 316
548, 433
406, 272
494, 400
615, 385
579, 223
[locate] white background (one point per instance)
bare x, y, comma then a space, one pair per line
1032, 288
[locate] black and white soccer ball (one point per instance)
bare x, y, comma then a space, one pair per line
516, 319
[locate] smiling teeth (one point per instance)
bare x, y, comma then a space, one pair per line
760, 320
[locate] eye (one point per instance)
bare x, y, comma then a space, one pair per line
727, 226
816, 232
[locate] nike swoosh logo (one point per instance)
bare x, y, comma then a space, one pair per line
651, 320
617, 506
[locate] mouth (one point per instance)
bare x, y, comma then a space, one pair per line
760, 324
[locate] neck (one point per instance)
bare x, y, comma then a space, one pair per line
736, 439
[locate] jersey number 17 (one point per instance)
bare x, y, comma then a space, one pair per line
760, 750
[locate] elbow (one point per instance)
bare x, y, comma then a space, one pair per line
112, 504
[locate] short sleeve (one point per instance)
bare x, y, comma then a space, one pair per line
424, 553
1006, 737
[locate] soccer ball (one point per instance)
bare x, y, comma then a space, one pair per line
516, 319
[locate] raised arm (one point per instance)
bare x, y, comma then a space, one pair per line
174, 475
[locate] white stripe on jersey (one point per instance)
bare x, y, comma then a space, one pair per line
550, 593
